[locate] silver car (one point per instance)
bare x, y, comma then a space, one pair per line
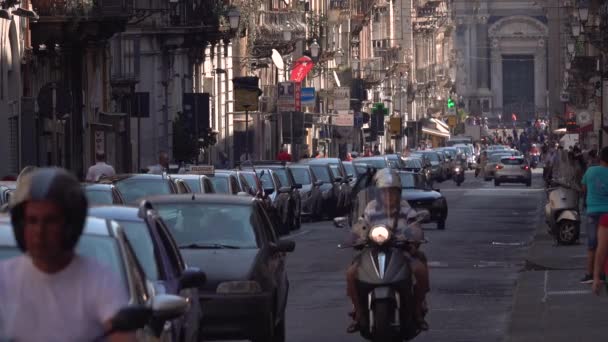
513, 169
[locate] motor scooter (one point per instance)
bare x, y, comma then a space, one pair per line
534, 159
458, 172
562, 213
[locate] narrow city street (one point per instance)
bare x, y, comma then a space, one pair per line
474, 266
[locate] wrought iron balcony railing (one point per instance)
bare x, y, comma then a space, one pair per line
82, 8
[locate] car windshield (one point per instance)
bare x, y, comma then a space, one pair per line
350, 169
133, 189
378, 163
283, 177
512, 161
434, 157
335, 170
251, 180
266, 180
408, 181
321, 173
140, 239
301, 175
102, 249
210, 224
452, 153
220, 184
413, 163
99, 197
194, 184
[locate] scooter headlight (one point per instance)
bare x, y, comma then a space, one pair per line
379, 234
456, 169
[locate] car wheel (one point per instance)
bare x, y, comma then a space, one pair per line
441, 225
496, 183
267, 334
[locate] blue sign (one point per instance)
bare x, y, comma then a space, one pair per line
308, 97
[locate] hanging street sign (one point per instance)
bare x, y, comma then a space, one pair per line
308, 97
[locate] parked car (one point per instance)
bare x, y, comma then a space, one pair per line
105, 242
243, 183
340, 176
287, 180
513, 170
331, 189
225, 183
351, 172
438, 171
102, 194
312, 198
233, 240
6, 188
413, 165
200, 184
161, 261
419, 196
279, 196
134, 187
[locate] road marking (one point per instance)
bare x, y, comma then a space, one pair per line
437, 264
569, 293
304, 232
544, 300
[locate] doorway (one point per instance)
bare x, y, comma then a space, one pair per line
518, 87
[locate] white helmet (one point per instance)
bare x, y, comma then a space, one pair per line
387, 178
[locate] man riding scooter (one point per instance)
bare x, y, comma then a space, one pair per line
389, 209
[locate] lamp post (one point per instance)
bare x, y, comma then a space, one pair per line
338, 57
314, 49
234, 17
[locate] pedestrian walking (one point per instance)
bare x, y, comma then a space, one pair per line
600, 264
162, 166
377, 150
595, 186
100, 169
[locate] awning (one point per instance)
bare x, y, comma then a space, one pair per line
435, 132
441, 126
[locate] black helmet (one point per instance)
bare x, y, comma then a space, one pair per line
56, 185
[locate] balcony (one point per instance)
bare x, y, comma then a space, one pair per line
271, 32
71, 21
372, 70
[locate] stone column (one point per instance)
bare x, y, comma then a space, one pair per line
540, 75
496, 65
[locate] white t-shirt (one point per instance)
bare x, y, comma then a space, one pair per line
70, 305
98, 170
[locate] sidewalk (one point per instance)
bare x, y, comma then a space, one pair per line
549, 302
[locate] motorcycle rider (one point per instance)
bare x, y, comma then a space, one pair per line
389, 209
50, 293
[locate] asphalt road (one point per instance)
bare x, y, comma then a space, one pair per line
474, 267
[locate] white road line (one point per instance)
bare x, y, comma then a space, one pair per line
304, 232
437, 264
544, 300
569, 292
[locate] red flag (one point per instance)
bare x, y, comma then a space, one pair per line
514, 117
303, 66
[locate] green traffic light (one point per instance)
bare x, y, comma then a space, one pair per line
450, 103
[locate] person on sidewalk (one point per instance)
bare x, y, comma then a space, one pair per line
599, 268
283, 155
100, 169
162, 166
595, 186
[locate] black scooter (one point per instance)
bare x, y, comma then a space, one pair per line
458, 175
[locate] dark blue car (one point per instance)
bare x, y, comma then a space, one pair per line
161, 261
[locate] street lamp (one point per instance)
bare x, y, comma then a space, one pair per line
338, 56
234, 16
583, 11
314, 49
576, 29
570, 48
287, 35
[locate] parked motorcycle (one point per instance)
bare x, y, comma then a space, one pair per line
562, 213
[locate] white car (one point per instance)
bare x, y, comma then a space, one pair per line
513, 169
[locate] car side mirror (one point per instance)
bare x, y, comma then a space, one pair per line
284, 189
319, 183
283, 246
338, 179
297, 186
340, 222
130, 318
192, 278
167, 307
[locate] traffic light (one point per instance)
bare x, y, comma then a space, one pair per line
451, 103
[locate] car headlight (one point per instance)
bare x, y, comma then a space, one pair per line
456, 169
438, 202
379, 234
239, 287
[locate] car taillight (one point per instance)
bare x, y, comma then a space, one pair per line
498, 167
525, 167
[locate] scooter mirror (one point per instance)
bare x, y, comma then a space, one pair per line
340, 222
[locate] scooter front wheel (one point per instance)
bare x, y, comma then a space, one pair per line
567, 232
